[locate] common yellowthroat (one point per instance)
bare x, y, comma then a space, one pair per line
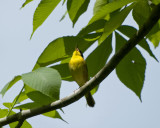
78, 69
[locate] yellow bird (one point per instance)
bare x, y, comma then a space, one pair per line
78, 69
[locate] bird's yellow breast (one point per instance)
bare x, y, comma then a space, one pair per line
76, 62
78, 68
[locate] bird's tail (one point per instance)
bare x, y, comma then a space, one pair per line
90, 100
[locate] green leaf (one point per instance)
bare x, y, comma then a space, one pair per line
76, 8
7, 104
21, 98
98, 5
129, 32
112, 24
45, 80
43, 10
155, 39
131, 70
26, 2
54, 114
3, 112
24, 125
63, 2
93, 36
94, 90
99, 24
156, 1
63, 69
141, 12
62, 48
97, 59
108, 8
28, 106
10, 84
64, 15
39, 97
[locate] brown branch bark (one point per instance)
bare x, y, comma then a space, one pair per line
97, 79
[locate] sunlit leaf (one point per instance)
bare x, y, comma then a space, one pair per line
108, 8
156, 1
155, 39
45, 80
43, 10
24, 125
76, 8
4, 112
26, 2
94, 90
112, 24
131, 70
10, 84
98, 5
54, 114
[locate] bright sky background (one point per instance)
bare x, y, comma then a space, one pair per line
116, 106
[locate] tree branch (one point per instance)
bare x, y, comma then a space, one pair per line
97, 79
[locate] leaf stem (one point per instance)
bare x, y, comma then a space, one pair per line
15, 101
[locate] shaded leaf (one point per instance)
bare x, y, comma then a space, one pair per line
141, 12
99, 24
129, 32
112, 24
93, 36
108, 8
63, 69
76, 8
10, 84
97, 59
131, 70
30, 105
45, 80
39, 97
41, 13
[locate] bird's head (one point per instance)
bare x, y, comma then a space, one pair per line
77, 52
